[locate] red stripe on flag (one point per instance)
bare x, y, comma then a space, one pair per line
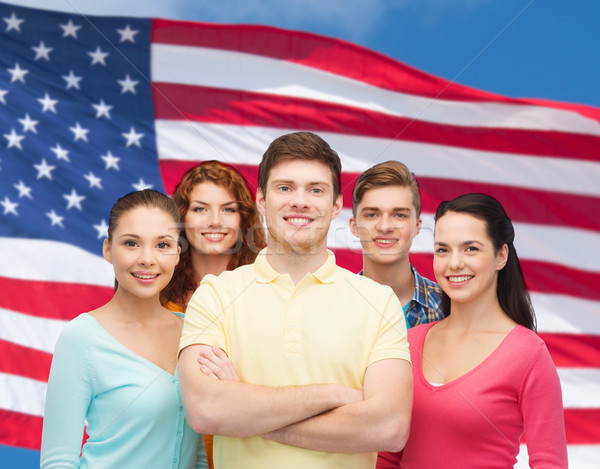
521, 204
320, 52
54, 300
334, 56
552, 278
573, 350
172, 170
582, 426
239, 107
22, 430
24, 361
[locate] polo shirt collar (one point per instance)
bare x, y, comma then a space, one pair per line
263, 270
326, 273
267, 274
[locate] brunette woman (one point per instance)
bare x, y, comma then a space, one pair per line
482, 376
115, 367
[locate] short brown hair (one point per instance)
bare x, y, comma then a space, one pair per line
302, 146
388, 173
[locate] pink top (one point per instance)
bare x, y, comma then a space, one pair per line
477, 420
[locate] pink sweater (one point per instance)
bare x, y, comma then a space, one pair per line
477, 420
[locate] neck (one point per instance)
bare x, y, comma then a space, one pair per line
398, 275
297, 264
483, 314
130, 308
203, 264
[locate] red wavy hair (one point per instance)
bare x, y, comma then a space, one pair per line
252, 238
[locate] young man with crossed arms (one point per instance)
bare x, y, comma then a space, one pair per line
321, 353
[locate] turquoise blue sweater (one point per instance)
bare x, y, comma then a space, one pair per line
132, 407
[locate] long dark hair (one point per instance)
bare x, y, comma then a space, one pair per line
512, 292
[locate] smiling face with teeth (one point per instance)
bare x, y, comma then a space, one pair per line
299, 206
212, 222
386, 223
143, 251
465, 262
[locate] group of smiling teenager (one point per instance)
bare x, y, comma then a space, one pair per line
290, 360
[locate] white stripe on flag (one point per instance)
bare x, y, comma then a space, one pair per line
30, 331
76, 265
236, 144
24, 395
240, 71
564, 314
580, 387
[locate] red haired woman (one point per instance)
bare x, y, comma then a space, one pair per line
222, 228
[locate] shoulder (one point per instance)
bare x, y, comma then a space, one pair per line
347, 278
529, 344
82, 324
417, 334
77, 337
525, 339
219, 288
229, 278
524, 352
356, 289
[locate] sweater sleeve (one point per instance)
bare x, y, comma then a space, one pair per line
68, 396
543, 416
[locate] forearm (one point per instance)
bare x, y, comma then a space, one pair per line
234, 408
354, 428
68, 397
379, 423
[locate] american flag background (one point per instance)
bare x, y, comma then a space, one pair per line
94, 107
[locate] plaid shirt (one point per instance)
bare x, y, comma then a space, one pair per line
426, 303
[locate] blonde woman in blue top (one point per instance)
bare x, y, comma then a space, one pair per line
115, 367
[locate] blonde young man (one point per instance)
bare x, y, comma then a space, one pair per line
321, 354
386, 217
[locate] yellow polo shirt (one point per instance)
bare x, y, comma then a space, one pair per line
327, 329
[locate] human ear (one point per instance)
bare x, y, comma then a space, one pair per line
178, 253
260, 201
106, 251
353, 227
338, 204
418, 227
502, 257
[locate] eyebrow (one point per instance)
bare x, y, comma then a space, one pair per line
206, 203
464, 243
134, 236
395, 209
292, 182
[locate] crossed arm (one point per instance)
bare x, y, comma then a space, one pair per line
234, 408
378, 421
